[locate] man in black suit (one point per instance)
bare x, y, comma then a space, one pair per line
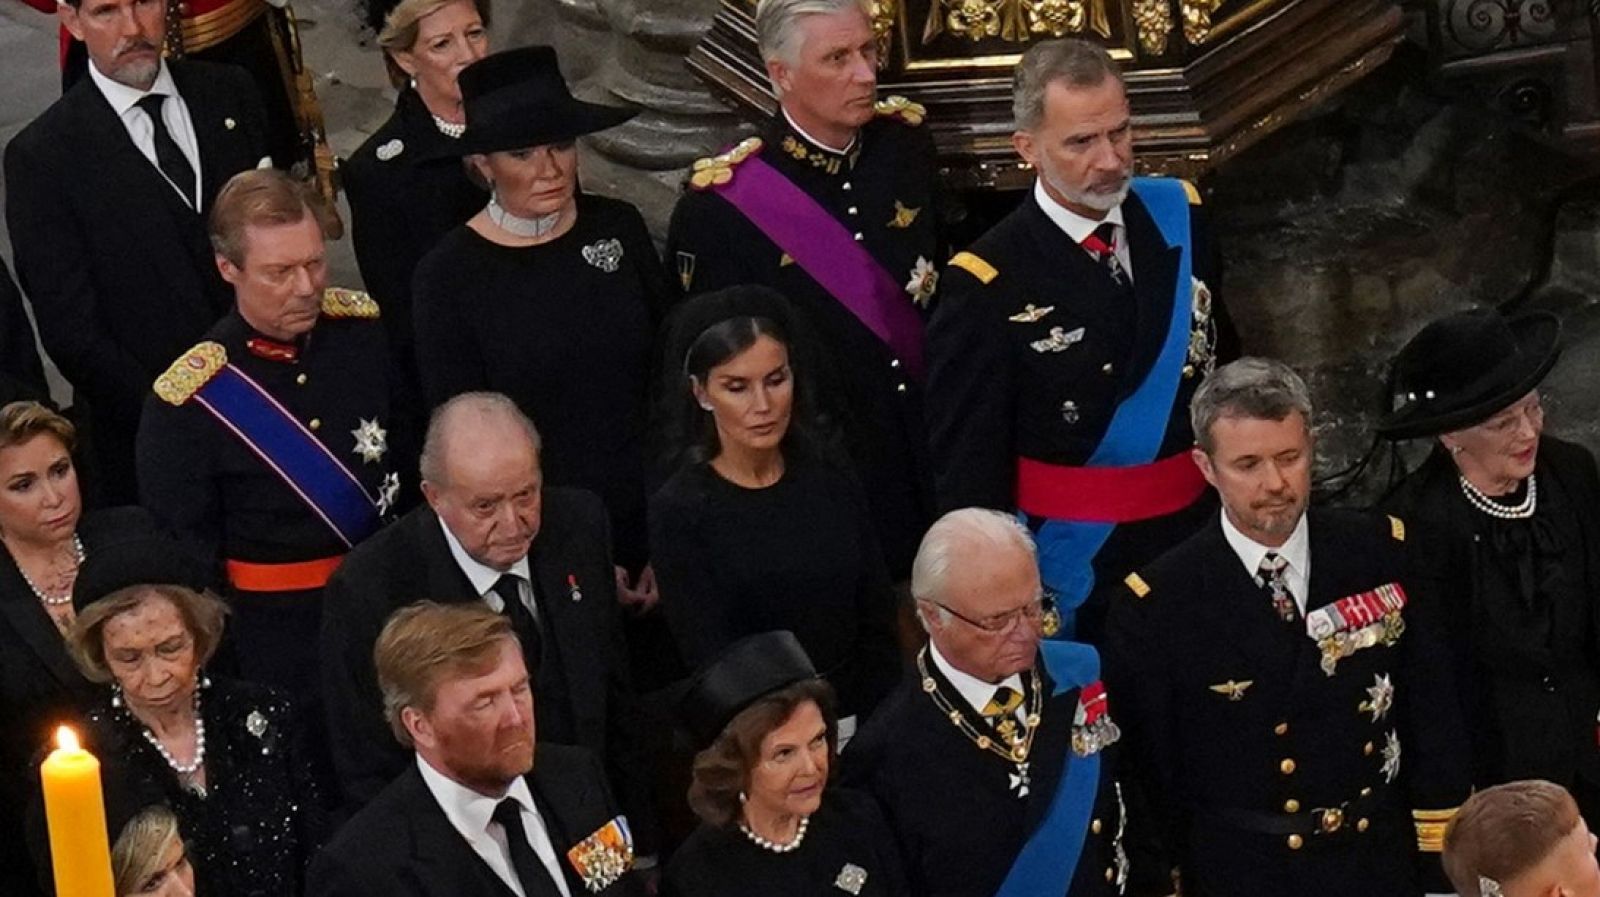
490, 532
107, 190
474, 814
21, 373
995, 764
1065, 343
1282, 677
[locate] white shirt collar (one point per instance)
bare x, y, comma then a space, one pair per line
973, 690
482, 576
1076, 226
468, 811
1296, 550
803, 133
123, 98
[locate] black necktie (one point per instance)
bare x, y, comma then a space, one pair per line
169, 158
509, 588
534, 875
1102, 244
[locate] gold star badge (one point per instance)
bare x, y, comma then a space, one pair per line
903, 216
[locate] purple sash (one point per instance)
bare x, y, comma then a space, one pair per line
829, 253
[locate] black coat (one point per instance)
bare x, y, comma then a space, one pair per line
1529, 665
402, 845
957, 819
993, 397
119, 270
1233, 720
21, 372
410, 561
860, 382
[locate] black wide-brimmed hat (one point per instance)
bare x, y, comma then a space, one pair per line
139, 558
518, 99
1461, 369
742, 674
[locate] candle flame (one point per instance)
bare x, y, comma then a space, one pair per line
66, 739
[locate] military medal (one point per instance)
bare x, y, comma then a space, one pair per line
1059, 340
1357, 622
1391, 757
371, 441
903, 216
1380, 697
1016, 737
573, 592
1092, 728
388, 492
924, 279
604, 856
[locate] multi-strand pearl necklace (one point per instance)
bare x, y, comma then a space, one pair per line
65, 598
775, 847
185, 771
449, 128
1489, 506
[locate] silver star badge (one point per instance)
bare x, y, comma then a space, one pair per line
1020, 780
371, 441
1380, 697
388, 491
604, 254
851, 878
1391, 758
255, 723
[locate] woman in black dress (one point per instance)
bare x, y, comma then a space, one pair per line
770, 823
1516, 515
548, 295
228, 757
45, 537
759, 528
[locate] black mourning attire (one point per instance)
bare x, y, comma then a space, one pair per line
846, 831
21, 371
884, 190
1520, 604
564, 328
798, 555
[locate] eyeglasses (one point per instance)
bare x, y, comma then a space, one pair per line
1003, 622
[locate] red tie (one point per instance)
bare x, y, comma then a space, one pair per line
1102, 244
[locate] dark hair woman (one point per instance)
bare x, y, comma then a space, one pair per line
1517, 515
758, 528
771, 825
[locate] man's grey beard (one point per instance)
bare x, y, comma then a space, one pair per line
1100, 202
137, 75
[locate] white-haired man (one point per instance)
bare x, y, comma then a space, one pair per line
834, 205
995, 763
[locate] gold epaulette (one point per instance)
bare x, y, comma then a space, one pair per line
899, 107
338, 302
718, 169
1137, 585
1430, 828
190, 372
1191, 191
1397, 528
975, 266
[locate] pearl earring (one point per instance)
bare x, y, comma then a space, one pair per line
742, 797
706, 405
1455, 449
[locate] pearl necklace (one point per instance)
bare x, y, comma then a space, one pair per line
185, 770
61, 600
1493, 508
449, 128
518, 226
775, 847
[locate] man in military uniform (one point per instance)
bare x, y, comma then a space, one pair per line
995, 764
266, 445
1065, 344
1281, 677
834, 206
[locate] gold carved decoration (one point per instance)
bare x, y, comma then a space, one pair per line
1197, 20
1015, 21
1154, 21
883, 12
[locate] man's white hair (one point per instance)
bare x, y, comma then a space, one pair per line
958, 537
778, 26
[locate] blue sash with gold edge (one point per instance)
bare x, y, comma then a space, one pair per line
267, 428
1045, 865
1067, 547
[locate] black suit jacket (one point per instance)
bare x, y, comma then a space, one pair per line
119, 270
573, 578
402, 844
21, 373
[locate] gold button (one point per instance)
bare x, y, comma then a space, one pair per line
300, 379
316, 423
1367, 749
1281, 729
1295, 842
1286, 767
1188, 371
1111, 874
1291, 806
1361, 825
1095, 826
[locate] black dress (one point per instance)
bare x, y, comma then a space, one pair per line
39, 688
262, 818
847, 850
566, 329
1523, 620
800, 555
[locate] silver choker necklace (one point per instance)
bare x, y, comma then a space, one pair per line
63, 599
449, 128
185, 771
775, 847
1487, 505
518, 226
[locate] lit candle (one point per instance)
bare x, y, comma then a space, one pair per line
76, 812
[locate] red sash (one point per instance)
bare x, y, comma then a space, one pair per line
1108, 494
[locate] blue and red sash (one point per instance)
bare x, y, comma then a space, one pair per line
267, 428
1126, 456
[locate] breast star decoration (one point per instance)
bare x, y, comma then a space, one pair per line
372, 441
388, 492
1391, 757
924, 280
1380, 697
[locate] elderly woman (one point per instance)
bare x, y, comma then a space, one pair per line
549, 295
1518, 513
45, 536
765, 727
403, 197
760, 527
227, 756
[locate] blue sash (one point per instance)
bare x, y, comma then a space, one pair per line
1046, 863
266, 428
1067, 547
